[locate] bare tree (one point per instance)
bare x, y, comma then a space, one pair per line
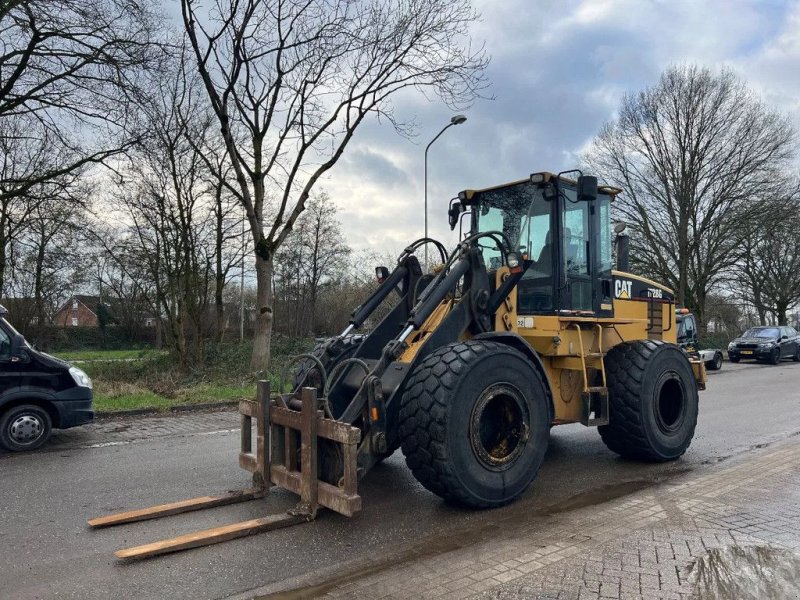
48, 262
66, 69
768, 272
290, 81
313, 256
168, 204
693, 152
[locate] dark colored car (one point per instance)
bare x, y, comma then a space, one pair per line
38, 392
770, 344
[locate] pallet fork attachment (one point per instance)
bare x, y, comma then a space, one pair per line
273, 462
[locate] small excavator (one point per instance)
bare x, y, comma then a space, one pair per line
525, 325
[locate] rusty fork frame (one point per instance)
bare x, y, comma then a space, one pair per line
273, 463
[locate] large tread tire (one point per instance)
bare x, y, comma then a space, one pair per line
653, 401
25, 427
436, 420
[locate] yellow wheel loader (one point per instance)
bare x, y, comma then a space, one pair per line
525, 325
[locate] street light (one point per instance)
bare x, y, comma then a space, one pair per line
456, 120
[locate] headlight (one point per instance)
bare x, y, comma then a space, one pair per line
80, 378
512, 260
765, 345
731, 346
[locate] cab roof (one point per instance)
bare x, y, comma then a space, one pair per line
547, 177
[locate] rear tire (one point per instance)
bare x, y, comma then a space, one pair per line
715, 364
474, 423
796, 357
25, 427
653, 401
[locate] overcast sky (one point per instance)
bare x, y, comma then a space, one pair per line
559, 69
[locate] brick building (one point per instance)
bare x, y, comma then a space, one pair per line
79, 311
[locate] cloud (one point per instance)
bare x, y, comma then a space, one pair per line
559, 70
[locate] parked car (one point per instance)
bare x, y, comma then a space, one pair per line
687, 339
770, 344
38, 392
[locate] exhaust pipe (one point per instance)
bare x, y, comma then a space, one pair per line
623, 262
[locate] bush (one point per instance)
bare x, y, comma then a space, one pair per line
60, 339
715, 341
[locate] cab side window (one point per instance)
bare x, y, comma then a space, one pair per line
689, 327
5, 346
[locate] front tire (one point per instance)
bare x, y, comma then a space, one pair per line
653, 401
474, 423
775, 356
25, 427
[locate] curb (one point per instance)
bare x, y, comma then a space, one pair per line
179, 408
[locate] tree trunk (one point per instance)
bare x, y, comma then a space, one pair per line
3, 242
219, 276
37, 288
780, 312
263, 325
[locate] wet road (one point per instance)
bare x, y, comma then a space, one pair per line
46, 550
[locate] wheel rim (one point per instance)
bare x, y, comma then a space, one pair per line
718, 361
26, 429
499, 426
670, 403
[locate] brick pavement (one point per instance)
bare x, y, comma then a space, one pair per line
124, 430
644, 545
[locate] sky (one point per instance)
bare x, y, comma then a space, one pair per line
559, 69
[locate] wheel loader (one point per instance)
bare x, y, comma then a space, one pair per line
525, 325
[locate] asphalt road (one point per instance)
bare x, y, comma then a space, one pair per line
47, 551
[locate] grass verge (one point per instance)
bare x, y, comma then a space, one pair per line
108, 355
156, 382
116, 397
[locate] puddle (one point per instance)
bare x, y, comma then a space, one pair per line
746, 573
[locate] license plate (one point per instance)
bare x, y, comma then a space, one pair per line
747, 351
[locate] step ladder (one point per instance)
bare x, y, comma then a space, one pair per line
593, 398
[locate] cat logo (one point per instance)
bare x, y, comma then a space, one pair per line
622, 289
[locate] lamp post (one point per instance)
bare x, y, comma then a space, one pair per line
456, 120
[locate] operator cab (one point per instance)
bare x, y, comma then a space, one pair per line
561, 228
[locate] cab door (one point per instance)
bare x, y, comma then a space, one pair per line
9, 369
576, 257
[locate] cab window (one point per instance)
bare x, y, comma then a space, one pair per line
5, 345
575, 234
689, 328
521, 212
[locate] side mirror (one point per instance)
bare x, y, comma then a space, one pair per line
587, 188
381, 274
19, 353
453, 213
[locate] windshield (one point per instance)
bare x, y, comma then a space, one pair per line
758, 332
519, 211
11, 331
